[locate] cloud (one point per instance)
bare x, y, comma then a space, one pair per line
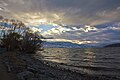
34, 30
70, 12
118, 8
56, 31
1, 9
107, 16
3, 6
2, 3
16, 1
103, 34
61, 31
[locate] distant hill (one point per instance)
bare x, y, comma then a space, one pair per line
113, 45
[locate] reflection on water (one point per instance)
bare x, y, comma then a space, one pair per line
91, 60
89, 56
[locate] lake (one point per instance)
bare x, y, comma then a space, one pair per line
102, 61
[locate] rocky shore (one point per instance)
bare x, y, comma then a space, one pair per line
26, 67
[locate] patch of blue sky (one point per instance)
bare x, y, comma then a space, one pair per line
46, 27
5, 24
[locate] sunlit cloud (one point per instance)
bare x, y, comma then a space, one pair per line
35, 30
61, 31
35, 19
55, 31
1, 8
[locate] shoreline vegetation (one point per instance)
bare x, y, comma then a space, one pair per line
16, 36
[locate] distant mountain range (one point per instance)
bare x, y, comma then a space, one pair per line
74, 45
113, 45
66, 45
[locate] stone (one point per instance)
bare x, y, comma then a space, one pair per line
24, 75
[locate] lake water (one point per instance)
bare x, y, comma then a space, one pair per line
103, 61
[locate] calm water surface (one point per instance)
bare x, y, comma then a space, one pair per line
105, 61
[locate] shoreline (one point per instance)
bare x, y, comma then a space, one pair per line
35, 69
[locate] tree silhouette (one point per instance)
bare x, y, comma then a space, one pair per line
11, 41
16, 36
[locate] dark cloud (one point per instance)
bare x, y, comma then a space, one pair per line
72, 11
85, 5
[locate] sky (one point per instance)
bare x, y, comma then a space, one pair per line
81, 20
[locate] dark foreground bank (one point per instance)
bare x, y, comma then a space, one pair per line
26, 67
